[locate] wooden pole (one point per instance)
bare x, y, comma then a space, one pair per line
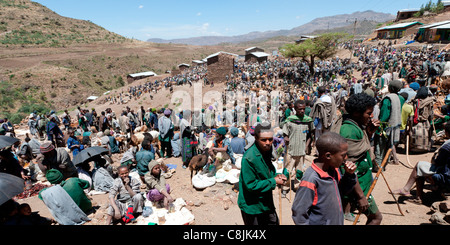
281, 214
390, 191
407, 151
375, 181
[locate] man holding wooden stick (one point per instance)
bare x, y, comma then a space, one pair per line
257, 180
358, 127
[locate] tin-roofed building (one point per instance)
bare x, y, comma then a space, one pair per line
256, 57
137, 76
428, 33
253, 49
404, 14
220, 65
398, 30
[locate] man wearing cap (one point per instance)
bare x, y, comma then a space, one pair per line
56, 158
388, 133
166, 127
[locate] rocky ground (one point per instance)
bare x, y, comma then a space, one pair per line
217, 205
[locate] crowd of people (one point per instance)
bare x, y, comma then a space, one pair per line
345, 112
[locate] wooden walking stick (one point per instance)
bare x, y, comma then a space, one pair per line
407, 151
281, 216
390, 191
375, 180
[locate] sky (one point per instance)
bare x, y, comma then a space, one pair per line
172, 19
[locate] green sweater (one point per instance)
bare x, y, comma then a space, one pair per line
75, 188
385, 108
256, 183
350, 130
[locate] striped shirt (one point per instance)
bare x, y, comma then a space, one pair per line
298, 133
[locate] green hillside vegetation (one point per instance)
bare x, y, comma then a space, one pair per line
437, 8
27, 23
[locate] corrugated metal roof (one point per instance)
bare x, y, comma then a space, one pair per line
260, 54
397, 26
409, 10
213, 55
434, 24
92, 97
148, 73
198, 61
446, 26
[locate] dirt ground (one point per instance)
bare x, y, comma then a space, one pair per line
216, 205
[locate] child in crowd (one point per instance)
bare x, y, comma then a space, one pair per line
156, 183
317, 202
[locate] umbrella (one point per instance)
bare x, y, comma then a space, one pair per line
10, 186
6, 141
89, 153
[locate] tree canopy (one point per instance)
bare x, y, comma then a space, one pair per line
321, 47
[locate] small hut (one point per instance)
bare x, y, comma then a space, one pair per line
220, 65
256, 57
404, 14
183, 67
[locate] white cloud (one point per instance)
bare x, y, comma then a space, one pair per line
199, 14
141, 6
179, 31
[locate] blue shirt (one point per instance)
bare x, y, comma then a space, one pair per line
143, 158
71, 142
237, 145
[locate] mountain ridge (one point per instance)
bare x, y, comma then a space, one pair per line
321, 23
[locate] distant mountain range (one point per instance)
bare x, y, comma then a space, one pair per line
323, 23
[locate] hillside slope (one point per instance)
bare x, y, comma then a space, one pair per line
27, 23
48, 61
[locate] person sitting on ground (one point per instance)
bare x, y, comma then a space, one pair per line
10, 165
112, 143
56, 158
316, 201
219, 152
125, 199
143, 158
159, 190
436, 171
24, 216
25, 153
73, 186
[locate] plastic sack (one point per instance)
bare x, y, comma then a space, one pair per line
200, 181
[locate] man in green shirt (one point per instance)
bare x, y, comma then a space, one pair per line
388, 134
358, 127
257, 180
